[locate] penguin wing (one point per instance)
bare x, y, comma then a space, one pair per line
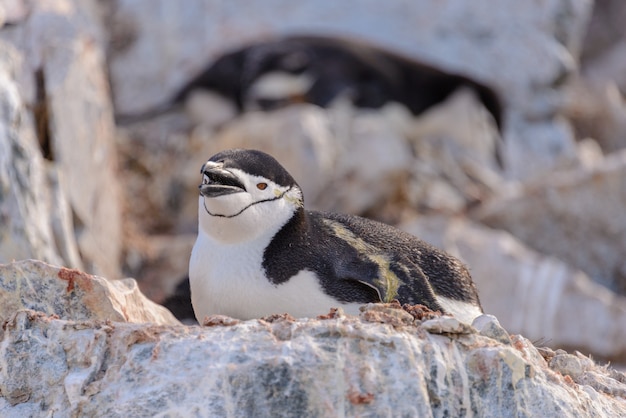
389, 278
397, 265
355, 280
391, 274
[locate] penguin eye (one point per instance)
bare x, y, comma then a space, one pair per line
261, 186
205, 179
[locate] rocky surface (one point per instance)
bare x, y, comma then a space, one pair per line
25, 212
535, 295
479, 39
73, 344
73, 294
13, 11
384, 363
59, 179
560, 214
605, 44
61, 74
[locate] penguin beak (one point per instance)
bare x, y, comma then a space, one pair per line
219, 182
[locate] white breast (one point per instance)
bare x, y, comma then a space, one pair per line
463, 311
229, 280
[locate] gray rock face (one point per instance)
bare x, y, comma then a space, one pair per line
498, 43
12, 11
72, 294
68, 88
59, 200
284, 367
605, 44
535, 295
24, 197
560, 215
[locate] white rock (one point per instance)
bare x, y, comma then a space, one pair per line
534, 150
60, 44
282, 367
462, 120
531, 294
83, 134
456, 162
61, 221
500, 44
209, 109
576, 215
598, 110
605, 44
489, 326
446, 325
72, 294
88, 364
24, 197
374, 159
13, 11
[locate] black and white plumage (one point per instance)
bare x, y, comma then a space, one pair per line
317, 69
259, 252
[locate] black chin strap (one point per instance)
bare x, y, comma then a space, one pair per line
280, 196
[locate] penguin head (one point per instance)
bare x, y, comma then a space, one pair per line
245, 194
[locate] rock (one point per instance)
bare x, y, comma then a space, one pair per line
447, 325
209, 109
598, 110
61, 220
386, 313
605, 43
595, 102
373, 160
24, 198
82, 126
576, 215
532, 294
457, 164
94, 361
219, 320
86, 129
582, 370
473, 136
72, 294
499, 44
489, 326
62, 74
159, 261
284, 367
571, 365
157, 154
13, 11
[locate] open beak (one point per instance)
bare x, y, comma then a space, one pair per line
221, 182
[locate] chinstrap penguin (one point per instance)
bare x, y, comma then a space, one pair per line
259, 252
277, 72
317, 69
